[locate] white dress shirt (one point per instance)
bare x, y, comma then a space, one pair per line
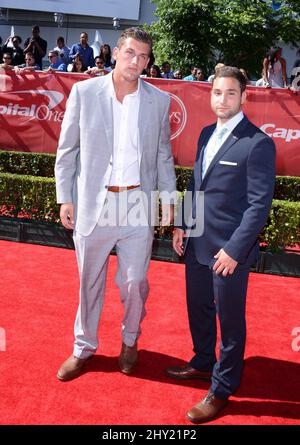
125, 168
214, 144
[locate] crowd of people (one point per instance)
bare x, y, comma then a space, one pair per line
77, 59
80, 59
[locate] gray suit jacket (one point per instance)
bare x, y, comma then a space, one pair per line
84, 157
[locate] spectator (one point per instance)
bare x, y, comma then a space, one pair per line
296, 66
261, 82
199, 75
192, 76
36, 45
295, 85
178, 74
105, 53
99, 69
244, 72
30, 64
274, 66
166, 71
62, 49
217, 67
155, 71
86, 52
15, 51
1, 52
7, 61
55, 62
77, 66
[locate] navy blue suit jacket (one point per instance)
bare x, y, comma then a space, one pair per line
238, 189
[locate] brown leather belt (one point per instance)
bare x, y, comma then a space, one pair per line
116, 189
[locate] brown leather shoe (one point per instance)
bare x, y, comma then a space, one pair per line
206, 409
128, 358
71, 368
187, 372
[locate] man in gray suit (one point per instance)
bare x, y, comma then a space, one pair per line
114, 152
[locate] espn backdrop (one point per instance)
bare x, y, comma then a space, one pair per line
32, 107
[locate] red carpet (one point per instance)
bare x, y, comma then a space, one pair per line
38, 301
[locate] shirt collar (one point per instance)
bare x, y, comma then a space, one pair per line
231, 123
112, 89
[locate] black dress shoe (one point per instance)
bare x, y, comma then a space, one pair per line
187, 372
206, 409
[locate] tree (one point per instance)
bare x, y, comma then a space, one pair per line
236, 32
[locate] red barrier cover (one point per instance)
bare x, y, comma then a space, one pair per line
32, 107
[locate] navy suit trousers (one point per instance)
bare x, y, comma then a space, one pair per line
208, 295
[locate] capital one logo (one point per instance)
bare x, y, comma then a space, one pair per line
178, 116
40, 111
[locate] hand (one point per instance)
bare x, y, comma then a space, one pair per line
67, 215
224, 264
167, 214
178, 236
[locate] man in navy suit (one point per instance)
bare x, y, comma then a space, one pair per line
235, 170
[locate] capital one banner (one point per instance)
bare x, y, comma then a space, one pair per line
32, 107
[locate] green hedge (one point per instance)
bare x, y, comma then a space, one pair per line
287, 188
283, 225
42, 164
34, 197
22, 163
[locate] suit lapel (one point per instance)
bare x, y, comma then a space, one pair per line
144, 116
106, 109
199, 161
230, 141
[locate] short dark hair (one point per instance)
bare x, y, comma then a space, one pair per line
60, 39
137, 34
36, 28
18, 38
231, 71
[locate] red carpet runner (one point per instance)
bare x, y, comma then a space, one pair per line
38, 301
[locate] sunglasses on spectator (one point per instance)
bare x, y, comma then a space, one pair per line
51, 57
6, 58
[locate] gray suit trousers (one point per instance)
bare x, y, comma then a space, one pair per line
133, 247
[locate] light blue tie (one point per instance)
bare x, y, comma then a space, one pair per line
220, 132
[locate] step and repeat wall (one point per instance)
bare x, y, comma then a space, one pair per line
32, 107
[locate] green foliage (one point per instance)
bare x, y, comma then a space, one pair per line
204, 32
287, 188
32, 197
283, 226
36, 164
183, 175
